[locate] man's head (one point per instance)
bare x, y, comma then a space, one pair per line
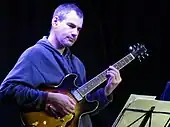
66, 23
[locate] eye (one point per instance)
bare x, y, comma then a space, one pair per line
71, 25
79, 29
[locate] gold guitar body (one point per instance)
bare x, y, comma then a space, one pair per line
42, 119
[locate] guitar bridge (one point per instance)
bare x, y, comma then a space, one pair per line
76, 95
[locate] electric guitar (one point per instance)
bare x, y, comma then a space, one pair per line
83, 105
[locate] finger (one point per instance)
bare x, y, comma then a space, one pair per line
69, 109
72, 101
52, 108
114, 72
65, 112
113, 68
115, 77
52, 111
71, 106
111, 73
111, 76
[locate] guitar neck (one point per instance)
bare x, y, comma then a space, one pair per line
100, 78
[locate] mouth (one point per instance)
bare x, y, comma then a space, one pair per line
71, 39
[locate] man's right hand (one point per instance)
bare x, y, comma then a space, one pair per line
60, 103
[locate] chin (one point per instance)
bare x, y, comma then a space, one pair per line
69, 44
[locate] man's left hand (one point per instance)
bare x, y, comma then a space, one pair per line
114, 79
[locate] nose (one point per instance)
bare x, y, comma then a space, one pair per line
74, 33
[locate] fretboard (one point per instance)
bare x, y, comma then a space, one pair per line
100, 78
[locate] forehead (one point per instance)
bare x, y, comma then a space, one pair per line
72, 17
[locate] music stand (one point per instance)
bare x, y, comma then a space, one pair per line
140, 109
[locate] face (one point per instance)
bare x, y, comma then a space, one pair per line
67, 30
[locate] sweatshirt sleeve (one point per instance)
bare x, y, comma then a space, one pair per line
166, 93
20, 85
100, 96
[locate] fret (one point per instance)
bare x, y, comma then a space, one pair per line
89, 86
100, 78
126, 59
123, 62
119, 65
116, 66
97, 80
130, 57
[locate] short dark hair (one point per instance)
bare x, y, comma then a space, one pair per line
64, 9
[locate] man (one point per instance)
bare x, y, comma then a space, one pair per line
47, 62
166, 93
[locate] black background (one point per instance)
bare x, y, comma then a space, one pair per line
109, 28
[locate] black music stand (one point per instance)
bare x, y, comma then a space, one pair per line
147, 116
154, 110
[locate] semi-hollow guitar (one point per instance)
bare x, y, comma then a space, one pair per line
83, 106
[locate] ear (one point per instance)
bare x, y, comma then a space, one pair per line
55, 21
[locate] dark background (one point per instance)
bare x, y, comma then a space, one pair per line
110, 27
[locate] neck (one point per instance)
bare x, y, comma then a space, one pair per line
55, 43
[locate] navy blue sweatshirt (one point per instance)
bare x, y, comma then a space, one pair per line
40, 65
